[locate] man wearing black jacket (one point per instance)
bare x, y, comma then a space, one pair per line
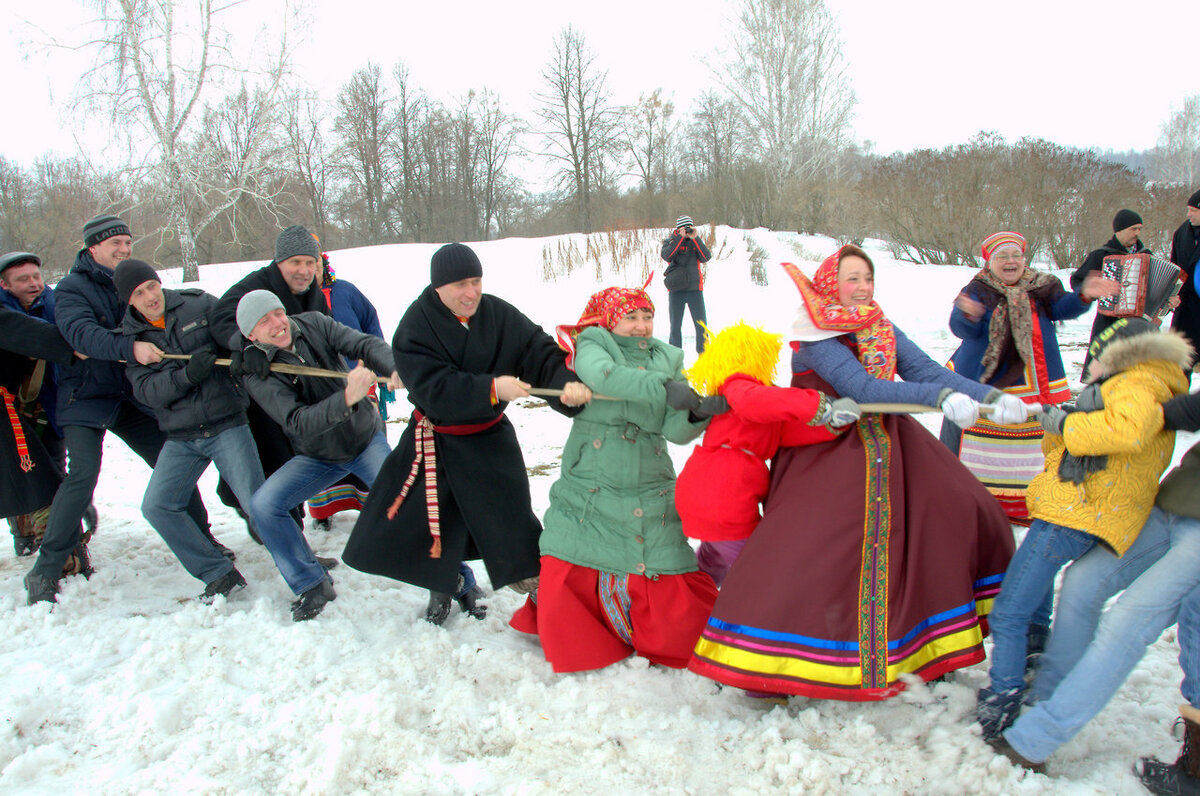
1127, 227
684, 280
1185, 252
198, 407
333, 430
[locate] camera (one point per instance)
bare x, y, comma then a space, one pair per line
689, 230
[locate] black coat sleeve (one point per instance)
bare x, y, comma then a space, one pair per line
1182, 413
30, 337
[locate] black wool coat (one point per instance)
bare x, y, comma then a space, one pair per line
1186, 253
22, 337
483, 487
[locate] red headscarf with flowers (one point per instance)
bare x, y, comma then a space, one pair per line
874, 335
605, 308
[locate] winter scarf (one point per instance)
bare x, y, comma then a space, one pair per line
1076, 469
874, 335
1012, 320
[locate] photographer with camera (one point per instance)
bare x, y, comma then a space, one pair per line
685, 282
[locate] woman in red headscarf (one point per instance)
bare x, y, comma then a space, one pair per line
878, 554
617, 575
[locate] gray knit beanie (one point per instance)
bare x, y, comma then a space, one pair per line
296, 240
102, 228
252, 307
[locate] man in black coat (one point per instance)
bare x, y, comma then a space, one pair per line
94, 397
684, 280
1185, 252
464, 356
1127, 227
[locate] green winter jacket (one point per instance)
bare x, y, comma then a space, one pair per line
613, 507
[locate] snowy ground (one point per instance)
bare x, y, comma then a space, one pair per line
129, 685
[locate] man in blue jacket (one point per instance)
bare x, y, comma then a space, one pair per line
95, 397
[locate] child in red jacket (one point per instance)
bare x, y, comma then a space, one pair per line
725, 480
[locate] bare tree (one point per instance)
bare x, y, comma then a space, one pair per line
158, 58
497, 133
789, 77
366, 125
579, 121
308, 155
649, 132
1178, 153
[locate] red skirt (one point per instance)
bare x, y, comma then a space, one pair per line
588, 619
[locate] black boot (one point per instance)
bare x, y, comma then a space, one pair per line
468, 602
323, 524
313, 601
438, 609
40, 589
232, 581
1035, 645
1178, 778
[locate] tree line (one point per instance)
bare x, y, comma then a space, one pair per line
225, 155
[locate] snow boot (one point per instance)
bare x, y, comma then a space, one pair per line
1001, 745
1183, 776
997, 710
468, 602
322, 524
438, 610
328, 563
224, 586
313, 601
40, 589
222, 549
1035, 645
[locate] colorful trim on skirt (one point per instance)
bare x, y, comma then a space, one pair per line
1004, 459
340, 497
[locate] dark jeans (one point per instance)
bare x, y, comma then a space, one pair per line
694, 301
84, 445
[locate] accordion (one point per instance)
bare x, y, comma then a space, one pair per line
1147, 284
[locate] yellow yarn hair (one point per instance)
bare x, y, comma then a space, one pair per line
741, 348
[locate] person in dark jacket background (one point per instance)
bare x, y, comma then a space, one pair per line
1127, 227
1185, 252
684, 280
94, 397
200, 409
333, 430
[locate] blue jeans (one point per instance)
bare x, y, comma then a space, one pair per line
694, 301
180, 465
1027, 582
292, 484
1086, 586
1151, 604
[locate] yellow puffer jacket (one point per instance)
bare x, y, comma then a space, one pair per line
1115, 502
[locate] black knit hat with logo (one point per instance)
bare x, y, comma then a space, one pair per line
102, 228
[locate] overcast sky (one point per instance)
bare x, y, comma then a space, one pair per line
927, 73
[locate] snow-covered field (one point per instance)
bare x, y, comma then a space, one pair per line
129, 685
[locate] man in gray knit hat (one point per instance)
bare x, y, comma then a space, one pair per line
333, 430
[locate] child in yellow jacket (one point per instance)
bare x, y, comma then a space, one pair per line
1103, 461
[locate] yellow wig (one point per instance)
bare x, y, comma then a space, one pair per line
741, 348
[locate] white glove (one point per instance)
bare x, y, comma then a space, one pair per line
960, 409
1009, 409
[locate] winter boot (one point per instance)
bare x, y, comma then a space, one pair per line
468, 602
40, 589
79, 562
1182, 776
997, 710
224, 586
90, 520
1002, 746
322, 524
222, 549
313, 601
438, 610
26, 539
328, 563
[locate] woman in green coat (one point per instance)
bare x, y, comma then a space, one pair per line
617, 575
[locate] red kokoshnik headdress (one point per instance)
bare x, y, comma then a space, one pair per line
606, 309
874, 335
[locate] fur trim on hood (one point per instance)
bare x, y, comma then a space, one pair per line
1167, 345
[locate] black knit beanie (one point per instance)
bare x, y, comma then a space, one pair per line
294, 241
130, 274
101, 228
1124, 219
1194, 201
1120, 329
452, 263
